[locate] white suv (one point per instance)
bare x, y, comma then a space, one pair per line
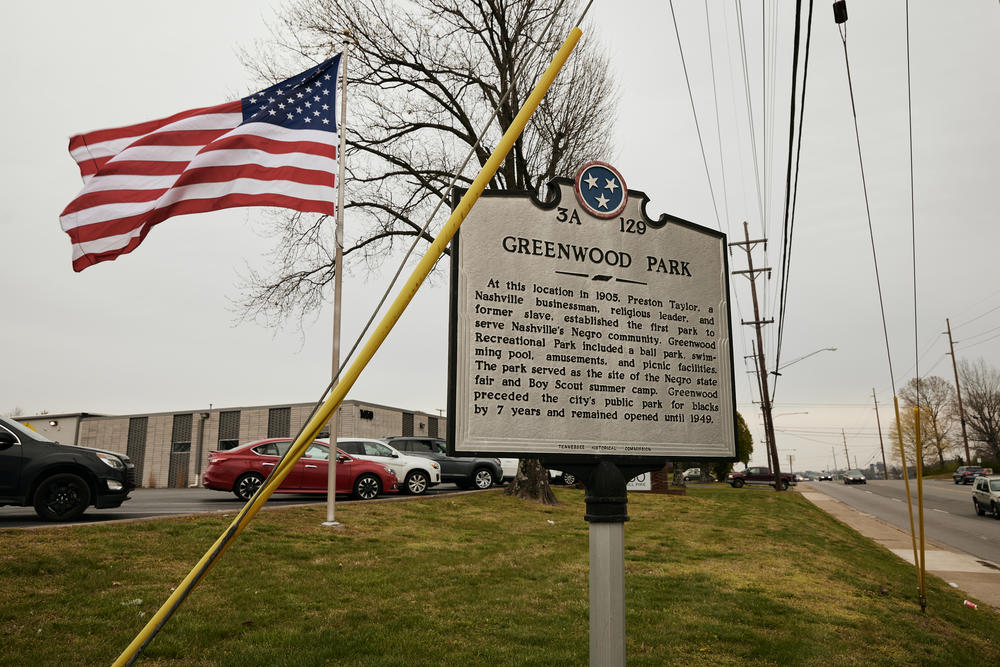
415, 474
986, 495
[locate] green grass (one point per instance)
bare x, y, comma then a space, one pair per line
715, 577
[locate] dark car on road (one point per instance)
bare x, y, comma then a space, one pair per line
854, 477
465, 472
965, 474
59, 481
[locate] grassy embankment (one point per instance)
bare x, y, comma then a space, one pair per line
716, 577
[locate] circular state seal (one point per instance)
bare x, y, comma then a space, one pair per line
600, 189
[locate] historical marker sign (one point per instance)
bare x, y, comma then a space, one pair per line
579, 327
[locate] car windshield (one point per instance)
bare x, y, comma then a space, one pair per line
995, 485
22, 430
854, 473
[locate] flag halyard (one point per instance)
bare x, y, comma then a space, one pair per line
277, 147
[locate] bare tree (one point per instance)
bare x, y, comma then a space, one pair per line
424, 79
936, 399
981, 393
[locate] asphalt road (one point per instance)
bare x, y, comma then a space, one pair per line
949, 518
147, 503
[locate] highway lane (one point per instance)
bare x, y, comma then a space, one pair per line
949, 518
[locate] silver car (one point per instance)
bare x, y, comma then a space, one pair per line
986, 495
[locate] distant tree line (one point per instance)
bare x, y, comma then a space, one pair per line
941, 421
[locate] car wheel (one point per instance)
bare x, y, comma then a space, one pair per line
62, 497
956, 482
367, 487
996, 510
568, 478
979, 510
247, 485
416, 483
482, 479
784, 485
737, 483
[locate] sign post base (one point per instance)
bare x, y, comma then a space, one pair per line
607, 513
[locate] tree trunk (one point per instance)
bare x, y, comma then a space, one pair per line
531, 483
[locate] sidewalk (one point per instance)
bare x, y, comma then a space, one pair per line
979, 579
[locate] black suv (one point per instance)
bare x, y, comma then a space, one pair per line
60, 481
465, 472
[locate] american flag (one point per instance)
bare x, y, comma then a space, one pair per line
277, 147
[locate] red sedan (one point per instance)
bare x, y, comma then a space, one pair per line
243, 469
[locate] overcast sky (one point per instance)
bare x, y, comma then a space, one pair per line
156, 330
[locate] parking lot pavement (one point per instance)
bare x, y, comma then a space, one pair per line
977, 578
147, 504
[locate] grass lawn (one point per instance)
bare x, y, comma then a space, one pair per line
719, 576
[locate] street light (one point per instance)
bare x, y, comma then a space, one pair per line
795, 361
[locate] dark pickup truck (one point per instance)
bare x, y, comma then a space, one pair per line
758, 475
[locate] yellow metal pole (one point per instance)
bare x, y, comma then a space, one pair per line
312, 429
920, 503
906, 480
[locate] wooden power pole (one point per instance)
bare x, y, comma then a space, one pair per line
961, 412
846, 455
885, 468
765, 397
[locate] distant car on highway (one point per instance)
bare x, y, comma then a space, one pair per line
416, 474
986, 495
825, 477
965, 474
854, 477
59, 481
243, 470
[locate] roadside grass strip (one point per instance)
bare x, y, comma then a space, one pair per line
714, 577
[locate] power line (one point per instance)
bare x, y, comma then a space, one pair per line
786, 258
694, 113
842, 26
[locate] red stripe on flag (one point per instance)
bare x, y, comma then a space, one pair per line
196, 206
92, 165
252, 141
256, 172
101, 197
143, 168
180, 137
140, 129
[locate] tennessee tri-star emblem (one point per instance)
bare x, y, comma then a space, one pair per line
600, 189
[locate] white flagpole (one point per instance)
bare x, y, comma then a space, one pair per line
338, 272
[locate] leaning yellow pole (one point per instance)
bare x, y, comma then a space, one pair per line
920, 504
312, 429
909, 502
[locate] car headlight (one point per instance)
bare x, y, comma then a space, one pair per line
388, 469
434, 465
111, 461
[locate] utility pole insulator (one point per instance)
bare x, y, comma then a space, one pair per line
840, 11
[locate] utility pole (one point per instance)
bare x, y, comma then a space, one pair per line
961, 412
885, 468
834, 452
767, 434
846, 455
765, 396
